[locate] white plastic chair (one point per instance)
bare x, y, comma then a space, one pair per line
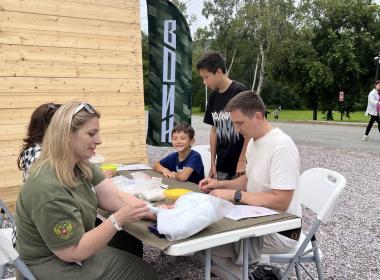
319, 190
205, 153
8, 253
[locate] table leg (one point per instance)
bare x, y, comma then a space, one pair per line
207, 264
245, 259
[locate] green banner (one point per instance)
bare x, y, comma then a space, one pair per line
170, 54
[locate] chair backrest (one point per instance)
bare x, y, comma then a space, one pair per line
7, 252
320, 189
204, 150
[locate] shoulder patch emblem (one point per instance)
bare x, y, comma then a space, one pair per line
63, 230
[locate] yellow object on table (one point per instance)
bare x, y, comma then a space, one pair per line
175, 193
109, 169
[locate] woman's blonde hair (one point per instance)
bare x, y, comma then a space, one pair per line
56, 148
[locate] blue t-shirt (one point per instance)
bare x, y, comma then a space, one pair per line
193, 161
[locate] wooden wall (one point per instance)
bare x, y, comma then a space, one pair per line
62, 50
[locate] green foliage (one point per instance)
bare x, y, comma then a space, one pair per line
314, 49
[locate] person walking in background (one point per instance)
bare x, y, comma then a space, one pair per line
276, 113
227, 147
38, 125
373, 109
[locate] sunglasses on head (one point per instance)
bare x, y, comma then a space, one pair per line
85, 106
51, 106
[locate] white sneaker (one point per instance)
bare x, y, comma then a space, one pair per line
365, 138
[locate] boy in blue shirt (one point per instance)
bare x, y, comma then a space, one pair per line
185, 164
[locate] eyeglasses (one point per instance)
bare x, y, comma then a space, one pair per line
86, 106
51, 106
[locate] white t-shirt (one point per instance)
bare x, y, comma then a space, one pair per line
273, 163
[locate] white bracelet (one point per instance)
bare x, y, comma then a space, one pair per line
115, 224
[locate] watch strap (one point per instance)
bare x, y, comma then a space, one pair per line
114, 223
237, 196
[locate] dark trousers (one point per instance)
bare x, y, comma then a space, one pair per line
125, 242
371, 122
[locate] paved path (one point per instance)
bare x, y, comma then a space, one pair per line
334, 136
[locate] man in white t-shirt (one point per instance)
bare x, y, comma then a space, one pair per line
271, 179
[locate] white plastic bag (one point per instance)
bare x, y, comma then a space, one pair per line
148, 190
192, 212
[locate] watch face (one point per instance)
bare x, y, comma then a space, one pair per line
237, 196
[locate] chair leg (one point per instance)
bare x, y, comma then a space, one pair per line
317, 257
24, 270
298, 271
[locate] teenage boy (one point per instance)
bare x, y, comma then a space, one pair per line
184, 164
227, 147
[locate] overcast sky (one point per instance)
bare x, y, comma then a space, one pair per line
193, 7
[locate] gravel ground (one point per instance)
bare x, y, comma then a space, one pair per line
350, 241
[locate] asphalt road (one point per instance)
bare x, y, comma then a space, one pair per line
339, 136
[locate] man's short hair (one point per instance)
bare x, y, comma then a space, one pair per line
248, 102
212, 61
377, 82
185, 128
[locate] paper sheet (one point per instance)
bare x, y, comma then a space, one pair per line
247, 211
137, 166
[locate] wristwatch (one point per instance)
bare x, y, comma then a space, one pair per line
115, 224
237, 196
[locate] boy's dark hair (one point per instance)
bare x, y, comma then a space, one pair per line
212, 61
248, 102
377, 82
185, 128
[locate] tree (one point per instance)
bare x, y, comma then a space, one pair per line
331, 52
249, 29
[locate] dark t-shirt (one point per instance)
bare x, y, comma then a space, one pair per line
193, 160
229, 143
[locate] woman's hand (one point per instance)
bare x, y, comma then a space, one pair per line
134, 211
150, 216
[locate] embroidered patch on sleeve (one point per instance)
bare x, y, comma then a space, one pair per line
63, 230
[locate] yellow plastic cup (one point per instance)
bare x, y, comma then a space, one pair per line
175, 193
109, 169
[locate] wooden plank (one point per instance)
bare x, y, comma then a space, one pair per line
15, 101
107, 126
19, 54
20, 36
74, 9
125, 4
13, 68
12, 116
125, 154
67, 24
9, 179
10, 148
9, 196
8, 164
19, 134
56, 86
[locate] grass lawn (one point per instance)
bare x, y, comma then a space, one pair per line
306, 115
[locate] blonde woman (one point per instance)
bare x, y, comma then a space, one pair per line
56, 208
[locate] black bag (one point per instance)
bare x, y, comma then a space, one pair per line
265, 272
